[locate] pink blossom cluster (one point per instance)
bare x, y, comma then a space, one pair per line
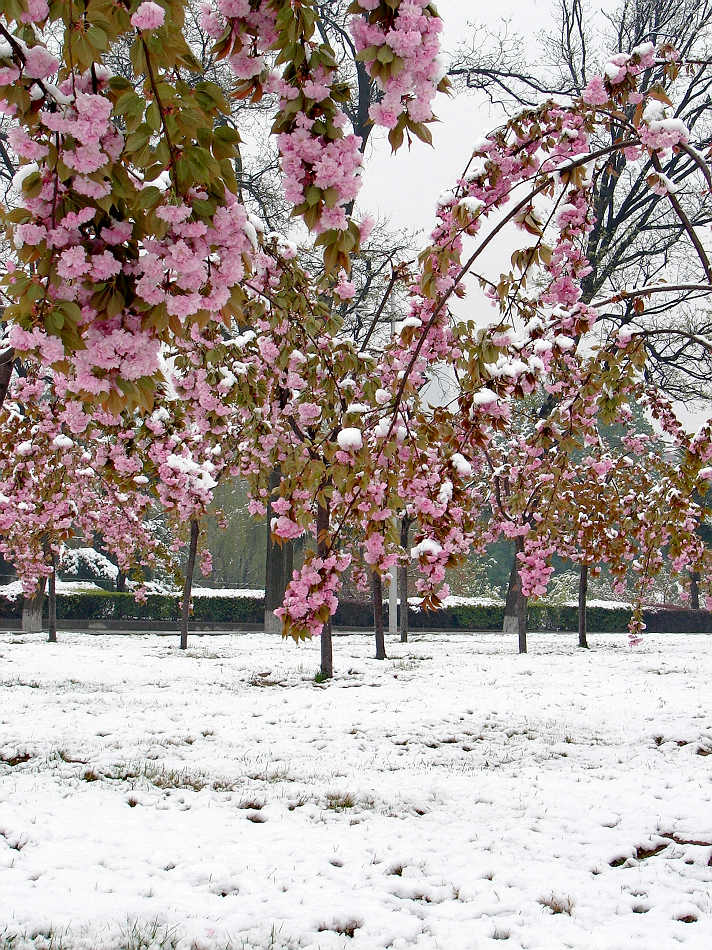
148, 16
311, 160
408, 32
285, 394
314, 152
619, 68
59, 487
310, 598
535, 569
191, 267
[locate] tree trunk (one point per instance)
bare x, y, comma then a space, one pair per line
695, 590
322, 532
515, 608
120, 582
510, 605
52, 636
288, 565
522, 604
278, 567
377, 600
403, 581
583, 591
7, 361
188, 585
32, 610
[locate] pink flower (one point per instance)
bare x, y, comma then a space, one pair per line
365, 228
37, 11
104, 266
72, 263
345, 289
8, 75
211, 22
234, 8
173, 214
245, 66
149, 16
118, 233
382, 115
31, 233
39, 63
595, 92
206, 563
24, 145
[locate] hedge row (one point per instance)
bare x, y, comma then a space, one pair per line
109, 605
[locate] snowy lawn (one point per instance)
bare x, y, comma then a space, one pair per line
456, 796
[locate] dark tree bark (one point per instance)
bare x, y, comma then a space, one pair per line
278, 567
583, 593
403, 581
322, 531
288, 565
52, 635
120, 582
7, 361
695, 590
188, 585
511, 600
515, 609
377, 601
522, 604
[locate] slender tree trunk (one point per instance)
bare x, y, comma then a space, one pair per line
32, 610
322, 531
510, 605
120, 582
7, 360
278, 567
288, 566
188, 585
583, 593
695, 590
522, 603
515, 609
377, 600
403, 581
52, 636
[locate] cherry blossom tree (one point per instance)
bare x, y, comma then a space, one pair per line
158, 308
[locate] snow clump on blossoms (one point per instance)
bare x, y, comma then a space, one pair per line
350, 439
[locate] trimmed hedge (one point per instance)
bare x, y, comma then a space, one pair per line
10, 609
490, 617
677, 619
110, 605
122, 606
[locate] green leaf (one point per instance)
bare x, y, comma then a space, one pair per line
367, 54
313, 195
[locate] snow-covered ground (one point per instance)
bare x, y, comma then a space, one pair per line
452, 797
